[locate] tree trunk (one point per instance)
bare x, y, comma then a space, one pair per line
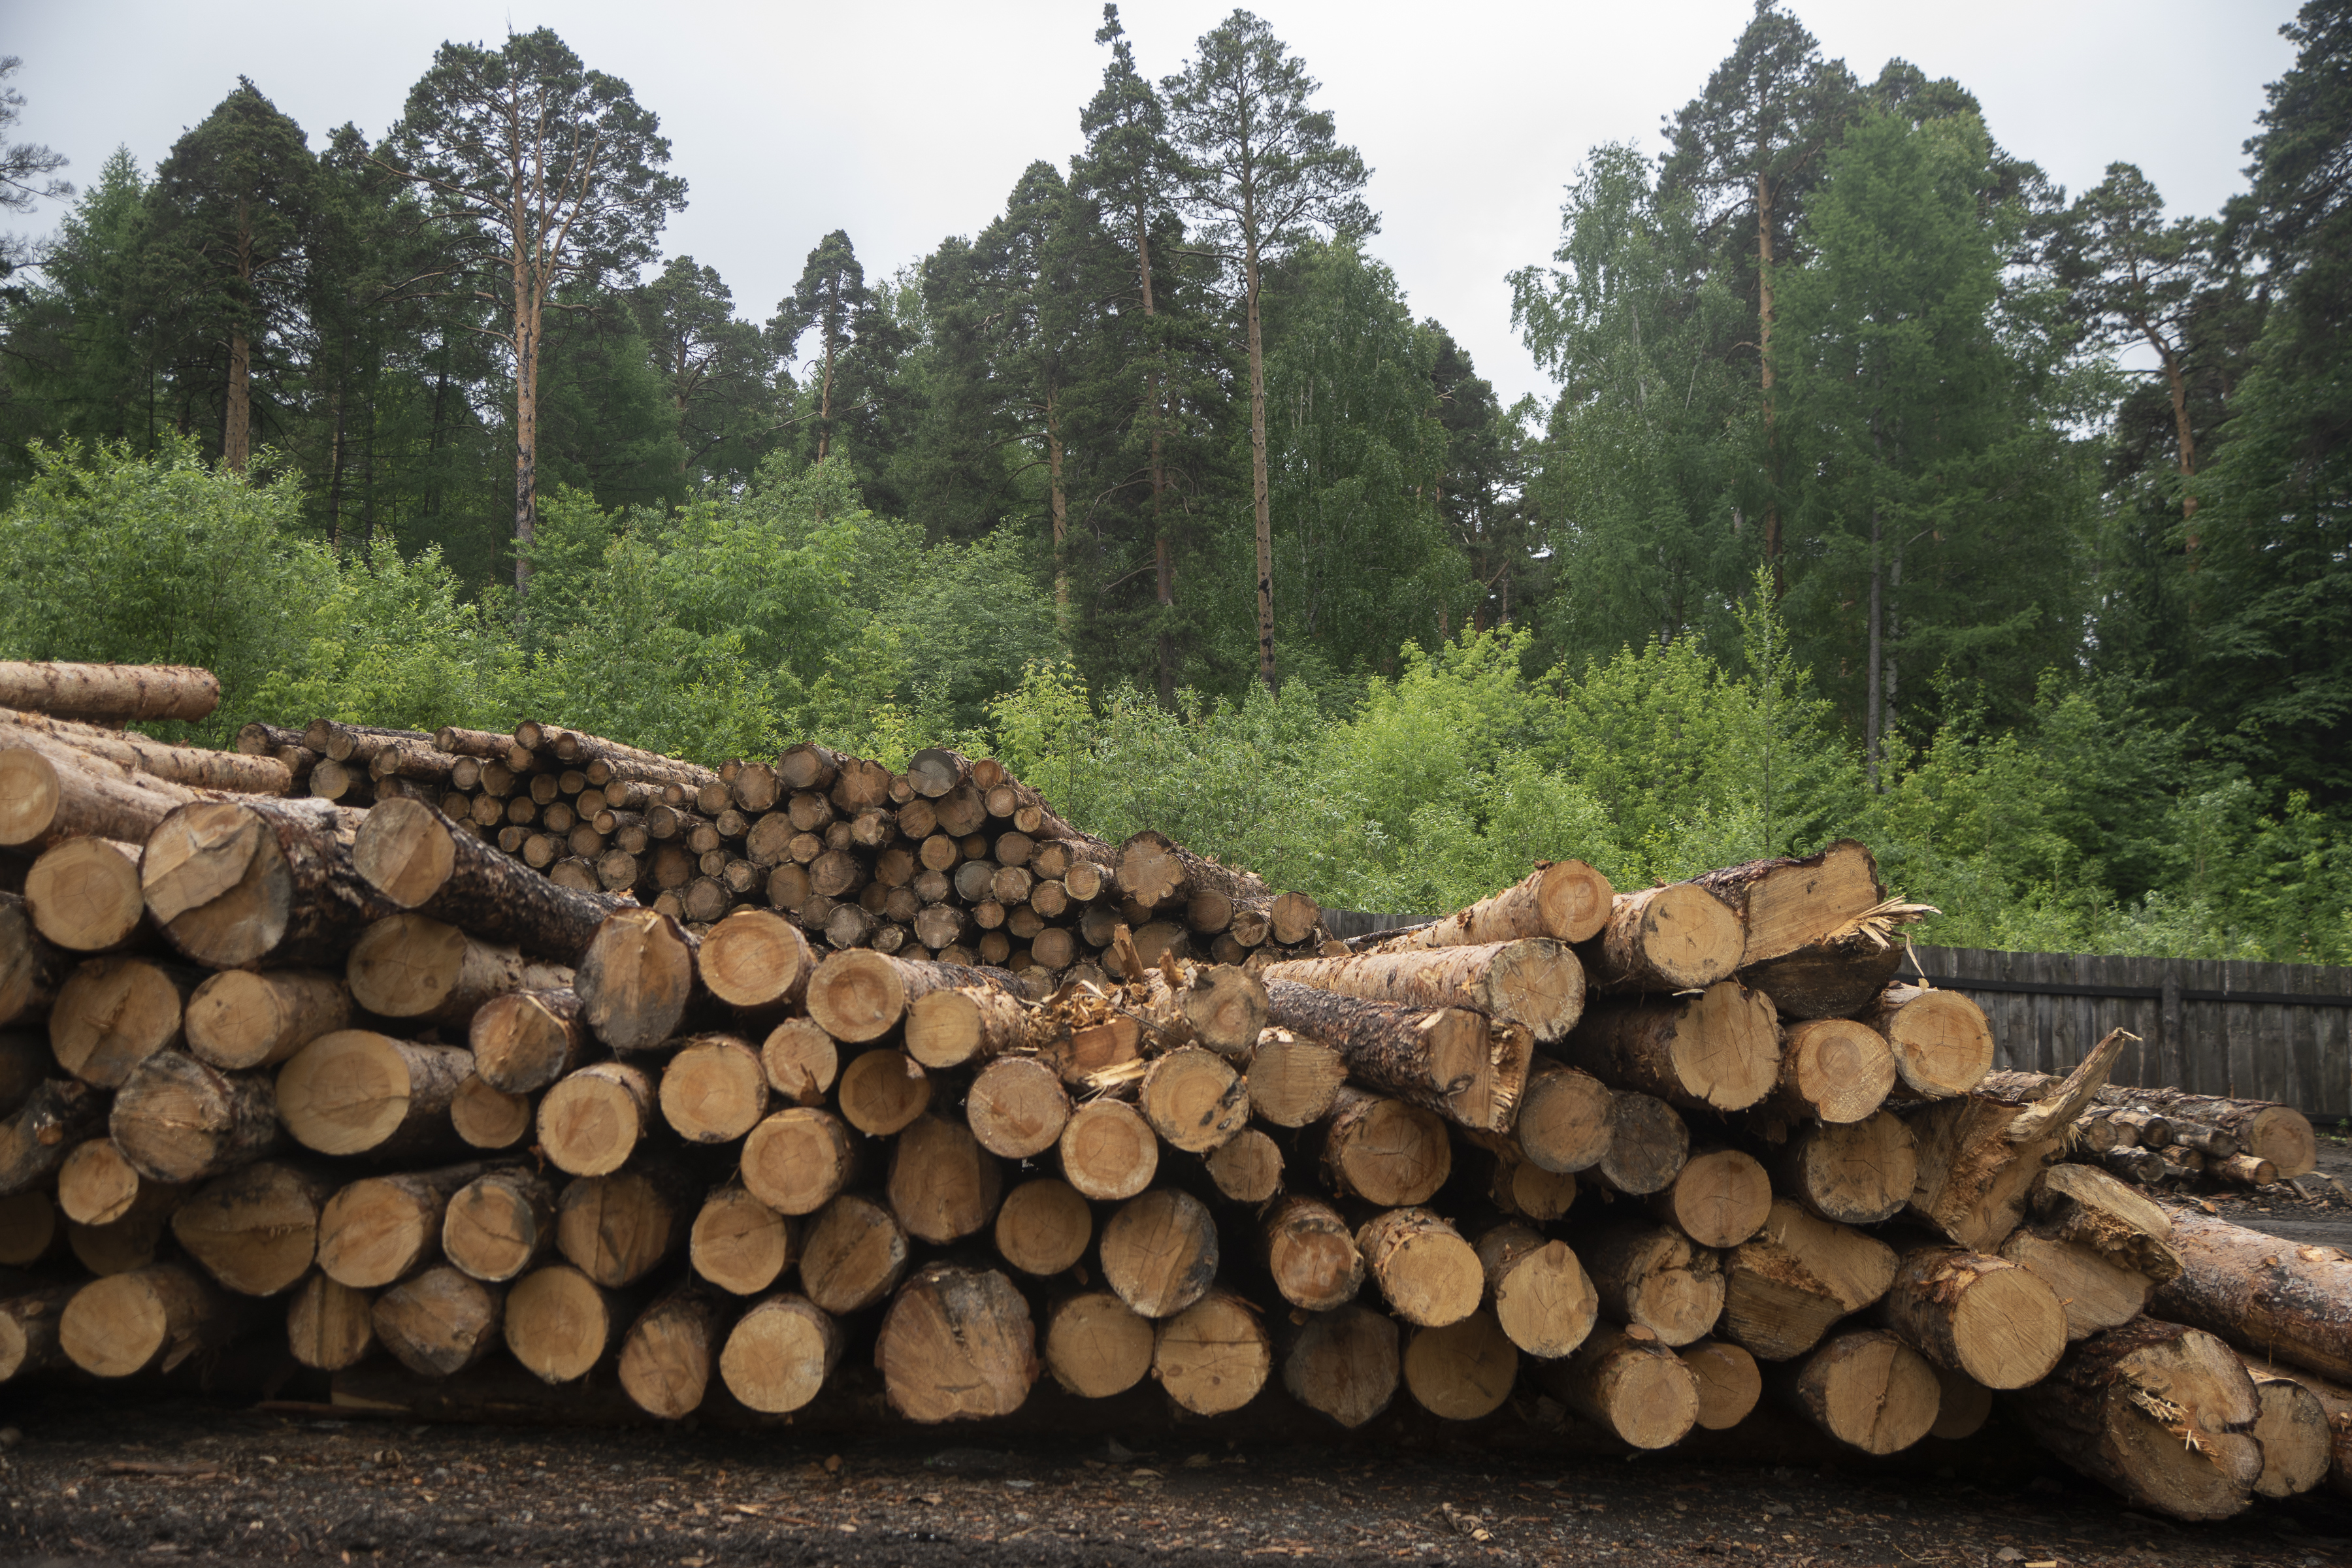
1543, 1300
2162, 1413
440, 1322
855, 1256
714, 1089
1213, 1357
780, 1352
1293, 1078
1193, 1099
232, 885
1718, 1051
1629, 1385
1786, 906
637, 980
1674, 938
115, 1012
1446, 1059
618, 1229
1719, 1198
1160, 1252
124, 693
1535, 982
1831, 979
1426, 1272
1261, 505
1942, 1045
559, 1324
420, 862
239, 1019
329, 1326
957, 1344
152, 1318
2278, 1298
941, 1185
382, 1229
594, 1118
1462, 1371
178, 1119
359, 1092
501, 1223
255, 1230
1648, 1145
523, 1041
1386, 1152
1990, 1321
1854, 1173
1566, 901
51, 792
1343, 1363
1783, 1289
1865, 1388
1980, 1156
1832, 1069
756, 960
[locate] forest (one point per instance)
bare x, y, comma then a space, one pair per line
1887, 489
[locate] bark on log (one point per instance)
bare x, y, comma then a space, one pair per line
1566, 901
637, 980
83, 894
1292, 1078
1783, 1289
501, 1223
440, 1322
1786, 906
239, 1019
234, 884
2281, 1299
2278, 1133
1158, 874
1449, 1059
1426, 1272
1832, 1069
411, 967
1648, 1144
957, 1344
780, 1352
421, 861
2163, 1415
255, 1230
860, 995
1718, 1051
176, 1118
358, 1092
1651, 1277
1674, 938
31, 971
1383, 1150
51, 792
382, 1229
1629, 1385
123, 692
1866, 1388
1213, 1357
1541, 1297
1535, 983
36, 1138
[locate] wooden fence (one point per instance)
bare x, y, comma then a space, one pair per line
2258, 1031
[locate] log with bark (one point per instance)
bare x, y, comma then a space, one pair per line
1446, 1059
1675, 938
421, 861
1626, 1382
2279, 1134
1719, 1051
83, 895
1535, 983
957, 1344
1566, 901
637, 980
121, 693
176, 1118
235, 884
2281, 1299
355, 1092
1865, 1388
1979, 1154
1783, 1289
51, 792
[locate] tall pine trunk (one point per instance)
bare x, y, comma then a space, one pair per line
528, 305
1163, 558
1260, 501
1764, 354
237, 416
1061, 510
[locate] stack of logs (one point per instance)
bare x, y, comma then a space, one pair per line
368, 1085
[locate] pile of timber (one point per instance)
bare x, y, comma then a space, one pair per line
362, 1084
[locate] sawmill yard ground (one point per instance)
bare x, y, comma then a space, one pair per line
99, 1480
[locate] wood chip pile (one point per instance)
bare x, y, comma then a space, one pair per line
806, 1059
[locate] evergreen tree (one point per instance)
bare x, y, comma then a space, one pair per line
721, 372
27, 172
831, 297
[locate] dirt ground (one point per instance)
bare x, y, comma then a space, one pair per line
2322, 1223
189, 1480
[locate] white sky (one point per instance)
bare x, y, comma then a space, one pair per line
905, 122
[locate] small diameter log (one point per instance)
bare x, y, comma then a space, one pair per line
1464, 1370
122, 692
1447, 1059
801, 1061
1193, 1099
1535, 982
239, 1019
559, 1324
1648, 1145
1311, 1254
525, 1040
1343, 1363
1997, 1324
423, 862
1214, 1356
1044, 1227
1783, 1289
859, 995
1865, 1388
2278, 1133
2298, 1439
382, 1229
1651, 1277
195, 767
1520, 1187
358, 1092
1981, 1153
1566, 901
1247, 1168
2162, 1413
149, 1318
797, 1159
1107, 1151
1832, 1069
178, 1119
489, 1119
1718, 1051
411, 967
957, 1344
1160, 1252
593, 1120
1674, 938
618, 1229
1626, 1383
1293, 1078
51, 792
637, 980
83, 894
1096, 1345
667, 1353
1160, 874
714, 1091
1426, 1272
1541, 1298
738, 1243
115, 1012
941, 1185
1383, 1150
2281, 1300
1856, 1172
255, 1230
232, 884
1729, 1383
854, 1255
500, 1224
28, 1329
1017, 1106
440, 1322
780, 1352
31, 971
754, 958
1719, 1198
883, 1090
1564, 1120
949, 1027
329, 1326
36, 1139
1941, 1043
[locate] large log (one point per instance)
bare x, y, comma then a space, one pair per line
1674, 938
2297, 1437
618, 1229
1214, 1356
738, 1243
859, 994
854, 1255
754, 958
1193, 1099
358, 1092
559, 1324
1566, 901
422, 861
1385, 1151
1343, 1363
1866, 1387
942, 1185
1427, 1273
255, 1230
1534, 982
1648, 1145
798, 1160
1787, 905
637, 980
525, 1040
31, 971
234, 884
1832, 1069
1107, 1151
1159, 873
1292, 1078
380, 1229
194, 766
1626, 1383
1988, 1319
1017, 1107
1096, 1345
116, 1012
411, 967
1942, 1045
499, 1224
83, 894
780, 1352
2160, 1412
440, 1321
594, 1118
1043, 1228
1719, 1051
1979, 1154
1446, 1059
1311, 1253
1855, 1172
176, 1118
2335, 1402
1783, 1289
154, 1317
1542, 1298
957, 1344
126, 693
1160, 1252
51, 792
239, 1019
2283, 1299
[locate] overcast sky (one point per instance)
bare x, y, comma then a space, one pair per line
905, 122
